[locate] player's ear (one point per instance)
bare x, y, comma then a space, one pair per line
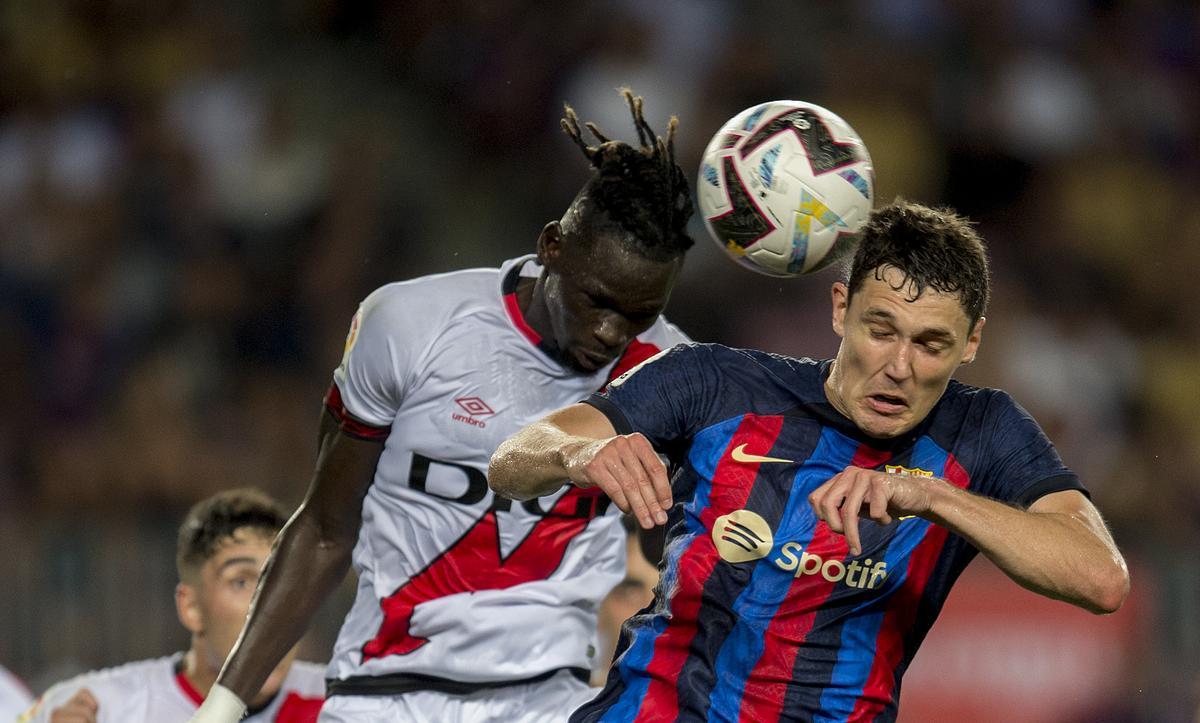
973, 341
549, 244
187, 607
840, 296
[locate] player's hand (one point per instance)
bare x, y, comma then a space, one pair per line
840, 501
627, 469
81, 708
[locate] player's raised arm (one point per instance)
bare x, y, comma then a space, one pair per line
1058, 547
579, 444
309, 559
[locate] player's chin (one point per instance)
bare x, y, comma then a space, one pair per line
884, 426
587, 361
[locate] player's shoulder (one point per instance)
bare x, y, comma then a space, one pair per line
435, 288
113, 683
988, 400
307, 679
420, 303
982, 409
757, 373
662, 334
750, 362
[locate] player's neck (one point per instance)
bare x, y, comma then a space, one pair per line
833, 391
531, 300
200, 676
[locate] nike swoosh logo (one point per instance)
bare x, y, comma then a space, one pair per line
739, 455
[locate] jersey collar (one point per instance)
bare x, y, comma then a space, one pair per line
511, 274
194, 695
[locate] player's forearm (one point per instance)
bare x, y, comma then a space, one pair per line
1054, 554
533, 462
305, 567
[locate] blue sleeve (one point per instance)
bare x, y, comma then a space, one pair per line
668, 398
1023, 464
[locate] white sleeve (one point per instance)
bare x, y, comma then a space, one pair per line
379, 356
55, 697
14, 697
669, 334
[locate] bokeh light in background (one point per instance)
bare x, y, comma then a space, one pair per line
194, 197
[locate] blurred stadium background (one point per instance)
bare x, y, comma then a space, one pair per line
195, 195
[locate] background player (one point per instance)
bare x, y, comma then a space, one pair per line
14, 695
766, 611
223, 543
469, 607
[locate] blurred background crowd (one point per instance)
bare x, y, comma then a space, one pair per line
194, 196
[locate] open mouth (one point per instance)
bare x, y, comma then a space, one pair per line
887, 403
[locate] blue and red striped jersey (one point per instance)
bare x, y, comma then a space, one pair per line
761, 613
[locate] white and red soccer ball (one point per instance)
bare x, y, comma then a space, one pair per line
785, 187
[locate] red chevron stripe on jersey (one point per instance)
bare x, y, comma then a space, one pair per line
768, 682
902, 610
299, 709
473, 563
732, 482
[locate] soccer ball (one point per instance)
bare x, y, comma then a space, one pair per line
785, 187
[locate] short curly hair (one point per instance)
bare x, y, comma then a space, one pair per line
213, 520
933, 247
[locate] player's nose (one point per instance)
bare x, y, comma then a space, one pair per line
612, 332
899, 363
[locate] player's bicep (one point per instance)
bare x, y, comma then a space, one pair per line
344, 471
582, 420
1067, 502
1076, 505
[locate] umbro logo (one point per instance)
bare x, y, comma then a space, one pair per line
474, 407
740, 454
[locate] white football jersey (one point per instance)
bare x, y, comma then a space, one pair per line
154, 691
14, 696
452, 581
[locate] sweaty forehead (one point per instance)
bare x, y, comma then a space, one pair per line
895, 297
610, 264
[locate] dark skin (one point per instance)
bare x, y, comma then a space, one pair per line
597, 293
594, 296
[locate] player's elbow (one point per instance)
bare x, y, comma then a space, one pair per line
1111, 589
500, 476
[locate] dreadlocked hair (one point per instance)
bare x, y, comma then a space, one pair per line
642, 189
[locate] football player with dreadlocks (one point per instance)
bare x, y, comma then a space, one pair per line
472, 607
